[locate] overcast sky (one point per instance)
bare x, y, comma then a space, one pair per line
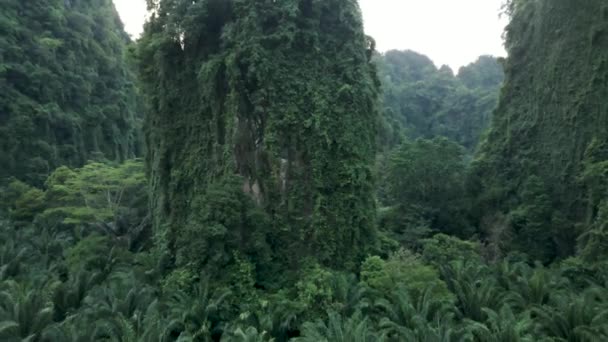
453, 32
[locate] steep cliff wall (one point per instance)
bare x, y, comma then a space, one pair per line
276, 99
554, 104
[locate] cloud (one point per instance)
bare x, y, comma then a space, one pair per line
449, 31
133, 15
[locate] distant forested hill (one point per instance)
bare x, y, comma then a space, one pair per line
66, 93
422, 101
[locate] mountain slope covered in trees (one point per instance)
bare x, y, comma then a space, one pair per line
542, 169
66, 93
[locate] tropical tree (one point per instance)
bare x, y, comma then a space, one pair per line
427, 319
25, 313
503, 326
355, 328
475, 290
249, 334
196, 313
426, 180
575, 318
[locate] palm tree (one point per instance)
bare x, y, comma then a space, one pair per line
348, 295
48, 245
123, 295
503, 326
124, 309
73, 329
12, 256
69, 296
508, 272
278, 317
426, 320
196, 313
527, 286
336, 329
536, 287
8, 329
474, 289
250, 334
119, 328
117, 314
24, 313
582, 318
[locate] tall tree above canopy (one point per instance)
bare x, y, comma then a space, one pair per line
280, 94
553, 110
66, 94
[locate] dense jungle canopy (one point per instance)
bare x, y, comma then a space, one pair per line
67, 94
257, 171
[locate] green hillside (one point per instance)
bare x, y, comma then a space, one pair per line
66, 93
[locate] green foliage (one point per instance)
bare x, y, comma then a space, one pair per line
594, 175
421, 101
533, 223
425, 184
595, 178
180, 279
474, 290
66, 92
402, 227
442, 249
262, 89
485, 73
261, 136
504, 326
402, 298
541, 163
406, 270
98, 192
582, 318
90, 253
250, 334
197, 312
314, 290
426, 319
103, 198
352, 329
25, 313
427, 172
593, 243
225, 221
27, 203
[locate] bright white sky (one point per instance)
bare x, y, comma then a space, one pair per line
453, 32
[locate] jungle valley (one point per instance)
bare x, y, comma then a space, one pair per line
257, 171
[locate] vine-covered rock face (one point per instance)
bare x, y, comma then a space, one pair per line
66, 94
280, 94
554, 104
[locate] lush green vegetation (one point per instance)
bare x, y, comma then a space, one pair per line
77, 265
267, 109
66, 92
421, 101
539, 177
297, 185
